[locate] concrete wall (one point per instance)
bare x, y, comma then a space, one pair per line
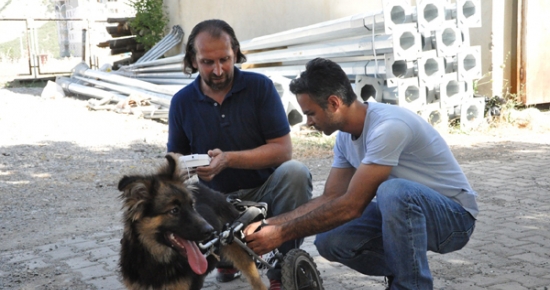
253, 18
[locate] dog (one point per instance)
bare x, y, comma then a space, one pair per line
164, 219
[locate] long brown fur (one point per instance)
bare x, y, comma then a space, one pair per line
159, 204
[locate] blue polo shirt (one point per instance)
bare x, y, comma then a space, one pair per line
250, 114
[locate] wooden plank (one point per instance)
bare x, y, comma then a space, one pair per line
534, 67
122, 20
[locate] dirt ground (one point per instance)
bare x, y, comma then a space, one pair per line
60, 164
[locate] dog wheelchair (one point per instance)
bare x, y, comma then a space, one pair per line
299, 271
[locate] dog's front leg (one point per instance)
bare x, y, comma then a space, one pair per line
244, 262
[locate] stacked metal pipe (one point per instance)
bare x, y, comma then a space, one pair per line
418, 57
166, 43
123, 91
166, 71
118, 93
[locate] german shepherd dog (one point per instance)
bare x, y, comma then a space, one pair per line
164, 219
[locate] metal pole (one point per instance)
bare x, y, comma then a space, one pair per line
70, 86
176, 67
156, 98
83, 70
367, 67
168, 60
83, 44
398, 12
404, 43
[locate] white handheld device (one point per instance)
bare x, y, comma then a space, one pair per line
195, 160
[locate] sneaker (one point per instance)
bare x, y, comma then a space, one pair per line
227, 274
275, 285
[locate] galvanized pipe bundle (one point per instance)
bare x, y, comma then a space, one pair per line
142, 82
166, 71
166, 43
106, 88
418, 57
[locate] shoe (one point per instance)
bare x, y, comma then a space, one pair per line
227, 274
275, 285
389, 281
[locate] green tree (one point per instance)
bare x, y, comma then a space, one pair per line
150, 22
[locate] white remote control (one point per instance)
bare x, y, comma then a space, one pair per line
195, 160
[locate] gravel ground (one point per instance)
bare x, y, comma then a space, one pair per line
60, 164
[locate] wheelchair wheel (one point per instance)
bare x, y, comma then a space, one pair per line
299, 272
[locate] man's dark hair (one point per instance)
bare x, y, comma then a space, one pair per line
215, 28
321, 79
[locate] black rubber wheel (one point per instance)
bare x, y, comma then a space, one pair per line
300, 272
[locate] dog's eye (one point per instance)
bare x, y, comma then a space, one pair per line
175, 210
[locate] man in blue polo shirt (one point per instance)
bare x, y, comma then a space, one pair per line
237, 118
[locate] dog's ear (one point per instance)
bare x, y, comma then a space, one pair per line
174, 169
135, 193
125, 181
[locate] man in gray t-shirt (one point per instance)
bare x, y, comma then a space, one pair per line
394, 192
397, 137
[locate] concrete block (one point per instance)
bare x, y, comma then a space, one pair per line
407, 43
435, 115
395, 13
432, 95
448, 39
366, 87
409, 94
468, 62
472, 113
399, 68
451, 91
430, 15
431, 68
468, 13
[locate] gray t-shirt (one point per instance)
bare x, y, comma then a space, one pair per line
397, 137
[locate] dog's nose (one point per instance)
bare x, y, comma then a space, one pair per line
207, 231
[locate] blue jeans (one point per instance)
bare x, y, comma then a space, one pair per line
288, 187
394, 233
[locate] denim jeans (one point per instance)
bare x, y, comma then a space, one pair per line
288, 187
394, 233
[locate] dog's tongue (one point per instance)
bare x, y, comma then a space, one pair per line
196, 259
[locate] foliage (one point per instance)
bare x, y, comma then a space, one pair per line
49, 4
150, 22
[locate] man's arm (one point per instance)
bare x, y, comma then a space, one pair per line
336, 185
327, 215
275, 152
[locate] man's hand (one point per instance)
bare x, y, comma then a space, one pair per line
251, 228
265, 240
218, 163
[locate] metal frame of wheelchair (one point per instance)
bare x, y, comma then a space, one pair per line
299, 271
